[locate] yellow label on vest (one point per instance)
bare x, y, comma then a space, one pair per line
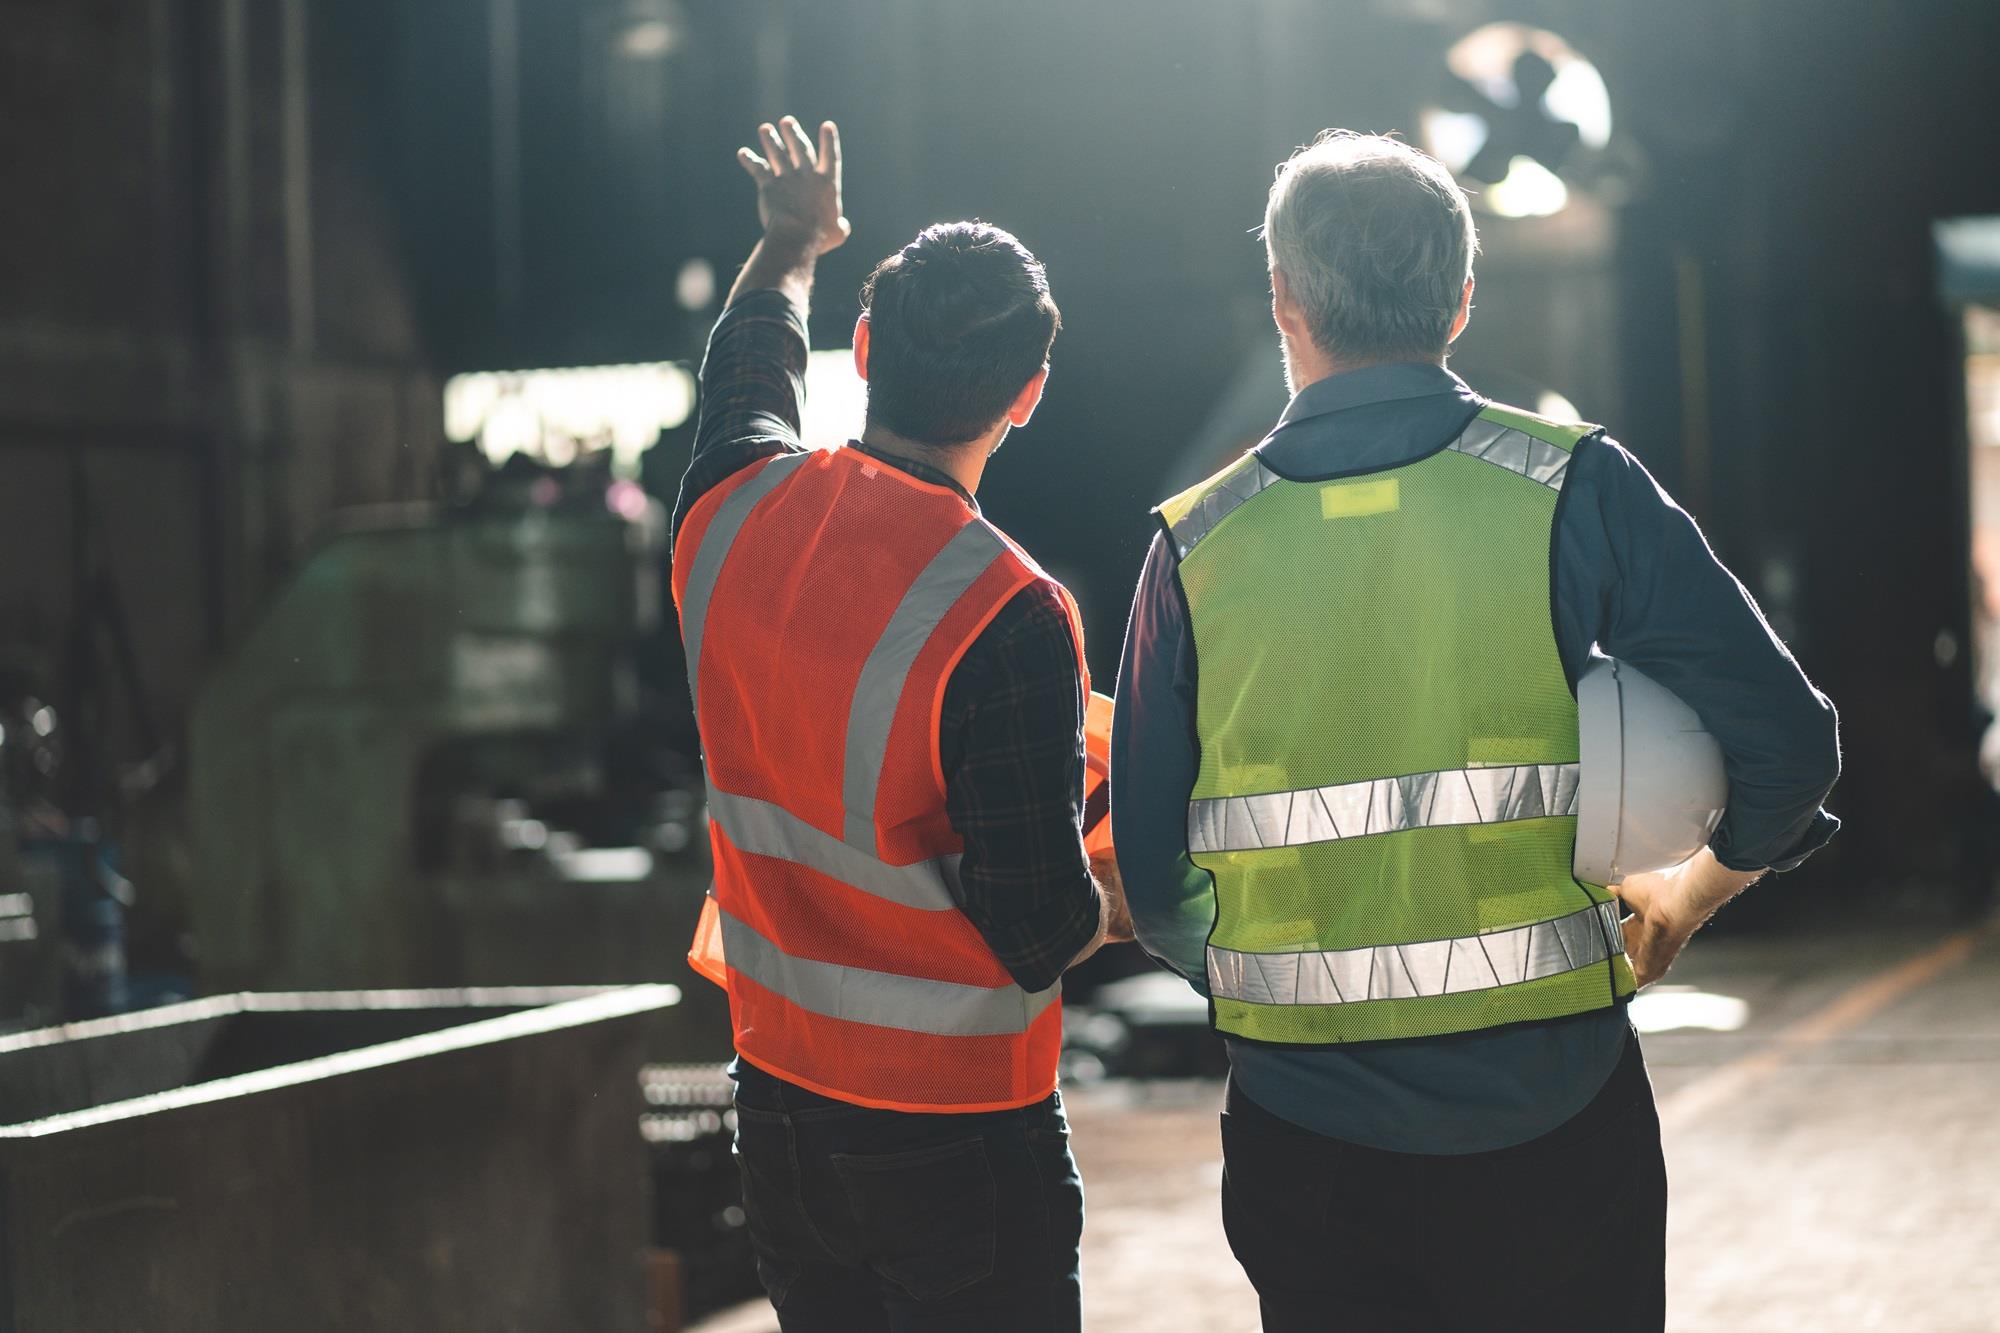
1357, 499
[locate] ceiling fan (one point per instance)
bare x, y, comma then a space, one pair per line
1518, 112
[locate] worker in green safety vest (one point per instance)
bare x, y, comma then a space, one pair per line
1345, 776
1440, 711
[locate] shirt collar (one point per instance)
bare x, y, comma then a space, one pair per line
1374, 384
921, 471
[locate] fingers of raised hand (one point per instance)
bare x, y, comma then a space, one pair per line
798, 148
778, 156
829, 149
758, 169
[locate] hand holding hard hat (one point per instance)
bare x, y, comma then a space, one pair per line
1651, 784
1652, 790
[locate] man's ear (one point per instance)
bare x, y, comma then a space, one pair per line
1025, 401
1290, 323
1464, 311
861, 347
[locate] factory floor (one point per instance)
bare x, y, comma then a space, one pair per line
1831, 1104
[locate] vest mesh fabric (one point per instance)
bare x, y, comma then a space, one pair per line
811, 586
1376, 626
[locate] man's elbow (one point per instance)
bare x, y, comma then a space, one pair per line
1791, 745
1818, 729
1036, 966
1035, 978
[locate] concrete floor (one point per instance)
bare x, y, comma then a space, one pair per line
1835, 1159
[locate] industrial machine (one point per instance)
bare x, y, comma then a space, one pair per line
427, 765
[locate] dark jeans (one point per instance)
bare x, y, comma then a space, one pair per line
883, 1220
1565, 1231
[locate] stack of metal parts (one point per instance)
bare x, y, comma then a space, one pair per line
688, 1123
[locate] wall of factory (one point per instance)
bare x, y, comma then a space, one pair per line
205, 345
1801, 152
256, 233
1768, 340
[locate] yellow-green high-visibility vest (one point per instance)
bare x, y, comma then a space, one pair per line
1388, 778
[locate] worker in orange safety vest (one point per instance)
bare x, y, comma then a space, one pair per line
891, 696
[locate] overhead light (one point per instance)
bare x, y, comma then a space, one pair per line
1550, 404
694, 285
648, 39
1488, 59
650, 30
1528, 190
1517, 110
557, 414
836, 399
1453, 137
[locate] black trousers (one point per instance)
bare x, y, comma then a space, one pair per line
1567, 1231
867, 1220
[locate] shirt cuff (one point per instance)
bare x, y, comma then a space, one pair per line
766, 302
1817, 834
1047, 950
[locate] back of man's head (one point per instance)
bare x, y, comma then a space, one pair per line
1374, 241
959, 320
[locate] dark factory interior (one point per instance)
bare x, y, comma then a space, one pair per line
354, 811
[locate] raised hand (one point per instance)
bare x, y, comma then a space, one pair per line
798, 186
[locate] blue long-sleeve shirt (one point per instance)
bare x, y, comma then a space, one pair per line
1633, 576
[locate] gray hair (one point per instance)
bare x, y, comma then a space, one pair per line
1375, 241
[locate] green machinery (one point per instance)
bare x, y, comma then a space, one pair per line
407, 775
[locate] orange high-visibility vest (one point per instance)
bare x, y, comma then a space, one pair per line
1097, 774
825, 599
705, 952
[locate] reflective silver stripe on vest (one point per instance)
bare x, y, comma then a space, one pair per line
970, 553
764, 829
1381, 805
884, 999
1406, 971
1517, 451
716, 540
1220, 502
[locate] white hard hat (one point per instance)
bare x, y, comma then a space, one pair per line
1652, 788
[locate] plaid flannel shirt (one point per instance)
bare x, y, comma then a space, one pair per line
1012, 726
